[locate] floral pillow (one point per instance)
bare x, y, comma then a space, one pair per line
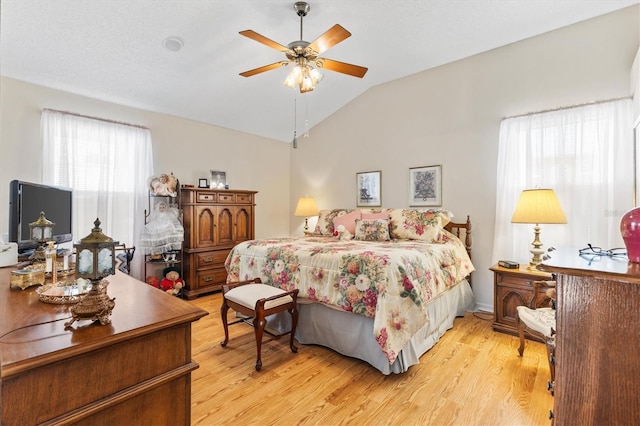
325, 224
348, 221
417, 225
379, 215
372, 230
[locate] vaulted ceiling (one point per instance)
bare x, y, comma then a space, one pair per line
113, 49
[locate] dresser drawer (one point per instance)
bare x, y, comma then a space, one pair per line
211, 259
226, 198
206, 197
244, 198
209, 277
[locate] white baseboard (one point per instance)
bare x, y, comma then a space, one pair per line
481, 307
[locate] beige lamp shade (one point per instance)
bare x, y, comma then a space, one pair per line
538, 206
306, 207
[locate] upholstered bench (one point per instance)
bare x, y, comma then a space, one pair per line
257, 301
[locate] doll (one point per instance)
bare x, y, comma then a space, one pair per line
163, 185
171, 283
163, 232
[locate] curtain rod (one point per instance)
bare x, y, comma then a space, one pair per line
568, 107
97, 118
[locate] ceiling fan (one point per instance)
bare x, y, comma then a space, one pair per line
305, 55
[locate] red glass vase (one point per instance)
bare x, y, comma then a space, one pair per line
630, 230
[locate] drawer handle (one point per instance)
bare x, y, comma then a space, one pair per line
207, 260
207, 279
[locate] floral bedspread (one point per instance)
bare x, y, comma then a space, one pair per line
389, 281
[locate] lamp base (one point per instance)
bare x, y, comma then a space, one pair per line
38, 255
536, 250
95, 305
536, 258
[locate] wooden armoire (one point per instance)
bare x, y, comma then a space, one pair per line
214, 221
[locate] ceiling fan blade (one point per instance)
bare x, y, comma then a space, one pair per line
264, 40
264, 68
331, 37
342, 67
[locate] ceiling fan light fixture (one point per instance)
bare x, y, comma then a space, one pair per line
315, 75
304, 76
306, 85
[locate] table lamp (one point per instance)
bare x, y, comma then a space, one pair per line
306, 207
95, 260
538, 206
40, 231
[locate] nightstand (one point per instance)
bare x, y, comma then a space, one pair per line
512, 288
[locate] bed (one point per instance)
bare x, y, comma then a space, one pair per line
385, 296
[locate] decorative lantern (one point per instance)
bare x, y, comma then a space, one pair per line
40, 231
95, 260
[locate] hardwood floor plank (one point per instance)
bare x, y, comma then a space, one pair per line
472, 376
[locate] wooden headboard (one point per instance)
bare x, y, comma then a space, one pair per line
462, 231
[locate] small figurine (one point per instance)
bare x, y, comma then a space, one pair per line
171, 283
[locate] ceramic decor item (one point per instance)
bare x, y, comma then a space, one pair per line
630, 230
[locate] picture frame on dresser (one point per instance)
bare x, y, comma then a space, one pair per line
218, 179
425, 186
368, 192
203, 183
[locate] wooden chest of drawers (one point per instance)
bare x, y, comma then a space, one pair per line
215, 220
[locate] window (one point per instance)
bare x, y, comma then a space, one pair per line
585, 154
107, 165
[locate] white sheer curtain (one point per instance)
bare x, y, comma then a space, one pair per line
585, 154
107, 165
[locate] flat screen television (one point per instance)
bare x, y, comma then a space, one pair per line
27, 200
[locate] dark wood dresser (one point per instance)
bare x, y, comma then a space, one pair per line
598, 339
135, 370
214, 221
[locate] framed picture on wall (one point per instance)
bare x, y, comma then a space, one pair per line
368, 189
425, 186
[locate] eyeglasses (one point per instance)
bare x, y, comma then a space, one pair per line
598, 251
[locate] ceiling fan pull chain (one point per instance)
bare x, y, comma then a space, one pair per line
295, 112
306, 121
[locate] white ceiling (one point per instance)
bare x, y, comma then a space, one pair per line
112, 49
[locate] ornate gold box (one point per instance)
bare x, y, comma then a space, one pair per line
26, 278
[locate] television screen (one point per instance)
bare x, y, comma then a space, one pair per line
27, 200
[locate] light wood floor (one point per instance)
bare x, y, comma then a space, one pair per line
473, 376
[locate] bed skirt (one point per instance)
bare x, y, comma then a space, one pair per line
352, 335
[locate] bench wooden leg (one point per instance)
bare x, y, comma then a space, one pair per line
294, 322
259, 323
520, 327
224, 309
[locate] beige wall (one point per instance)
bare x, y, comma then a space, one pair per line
187, 148
451, 116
